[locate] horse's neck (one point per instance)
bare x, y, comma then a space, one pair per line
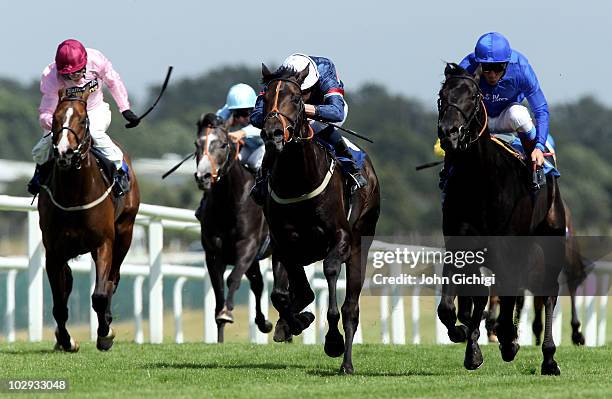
72, 185
300, 167
230, 189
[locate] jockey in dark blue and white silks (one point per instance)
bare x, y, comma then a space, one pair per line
323, 94
507, 79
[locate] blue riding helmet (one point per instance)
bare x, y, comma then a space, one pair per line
492, 47
241, 96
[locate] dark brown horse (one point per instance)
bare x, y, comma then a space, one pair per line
234, 230
79, 215
574, 274
306, 209
488, 195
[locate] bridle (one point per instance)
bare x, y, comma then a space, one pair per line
79, 154
464, 130
289, 124
217, 172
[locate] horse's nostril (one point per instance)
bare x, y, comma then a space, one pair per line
454, 130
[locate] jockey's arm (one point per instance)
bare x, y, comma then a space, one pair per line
332, 109
257, 118
48, 87
112, 80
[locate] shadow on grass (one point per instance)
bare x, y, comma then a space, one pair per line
263, 366
28, 351
276, 366
407, 373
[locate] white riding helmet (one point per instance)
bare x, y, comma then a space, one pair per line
241, 96
299, 62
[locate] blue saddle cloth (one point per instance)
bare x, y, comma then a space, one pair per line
515, 142
359, 156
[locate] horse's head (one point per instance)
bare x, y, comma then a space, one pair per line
70, 128
283, 107
460, 109
213, 151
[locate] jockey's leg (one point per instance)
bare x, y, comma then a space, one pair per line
99, 121
40, 154
259, 192
332, 136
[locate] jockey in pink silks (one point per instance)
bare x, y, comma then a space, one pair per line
77, 66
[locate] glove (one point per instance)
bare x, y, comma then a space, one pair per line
131, 118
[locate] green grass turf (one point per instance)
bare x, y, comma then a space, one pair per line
298, 371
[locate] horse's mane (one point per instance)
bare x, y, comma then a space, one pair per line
283, 72
210, 119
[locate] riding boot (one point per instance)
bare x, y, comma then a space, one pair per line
259, 192
358, 181
200, 210
40, 176
122, 183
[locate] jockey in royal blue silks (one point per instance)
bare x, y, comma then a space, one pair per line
506, 80
323, 94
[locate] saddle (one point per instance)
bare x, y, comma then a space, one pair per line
512, 144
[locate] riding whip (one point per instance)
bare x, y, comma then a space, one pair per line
178, 165
349, 131
135, 123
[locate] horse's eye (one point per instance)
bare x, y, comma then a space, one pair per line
224, 145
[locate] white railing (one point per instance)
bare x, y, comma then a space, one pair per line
157, 218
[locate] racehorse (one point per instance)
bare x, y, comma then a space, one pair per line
234, 230
79, 215
487, 195
306, 208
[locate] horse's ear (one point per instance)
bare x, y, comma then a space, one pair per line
302, 75
478, 72
265, 72
450, 69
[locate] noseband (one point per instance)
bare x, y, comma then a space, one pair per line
78, 154
464, 130
289, 124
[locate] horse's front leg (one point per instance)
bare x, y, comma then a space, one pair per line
60, 279
334, 343
290, 295
102, 294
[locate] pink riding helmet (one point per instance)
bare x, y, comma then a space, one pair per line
70, 56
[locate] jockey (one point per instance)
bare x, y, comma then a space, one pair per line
323, 95
506, 80
238, 106
237, 110
76, 66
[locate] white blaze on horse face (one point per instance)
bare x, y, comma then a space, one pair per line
64, 144
204, 166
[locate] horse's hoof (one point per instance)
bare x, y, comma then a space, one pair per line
281, 332
304, 320
105, 343
225, 316
538, 341
347, 369
578, 338
551, 368
265, 327
334, 344
473, 358
458, 334
73, 348
508, 352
